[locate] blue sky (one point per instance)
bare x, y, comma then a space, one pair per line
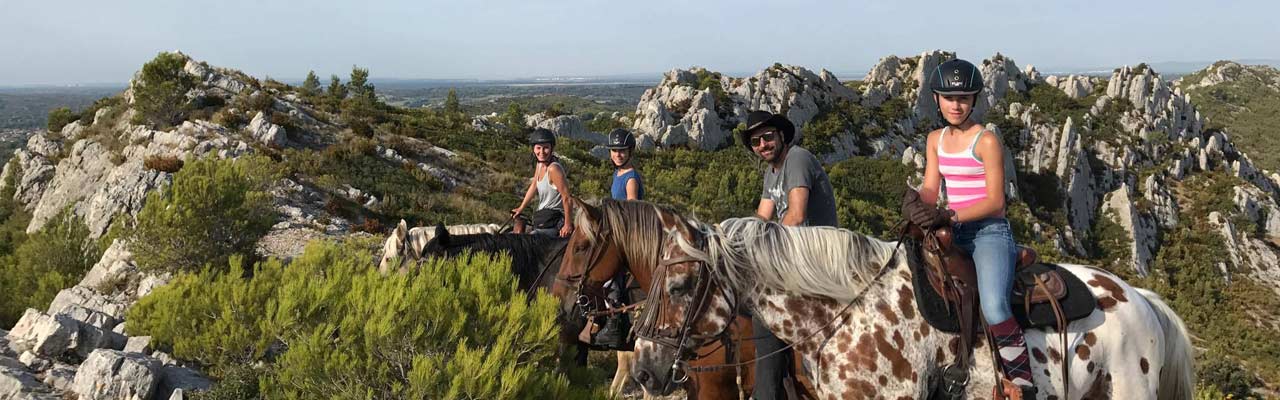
66, 42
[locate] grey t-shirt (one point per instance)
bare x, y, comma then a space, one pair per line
801, 169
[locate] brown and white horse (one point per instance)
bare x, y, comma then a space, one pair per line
845, 301
630, 235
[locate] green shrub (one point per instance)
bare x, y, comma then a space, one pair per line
213, 208
455, 328
60, 117
160, 92
52, 259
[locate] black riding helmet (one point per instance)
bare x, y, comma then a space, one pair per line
620, 139
955, 77
761, 119
542, 136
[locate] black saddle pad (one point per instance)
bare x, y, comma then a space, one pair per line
1078, 303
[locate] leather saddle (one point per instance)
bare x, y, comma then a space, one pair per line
945, 261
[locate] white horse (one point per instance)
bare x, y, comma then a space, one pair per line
406, 243
845, 301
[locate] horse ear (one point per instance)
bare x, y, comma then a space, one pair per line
442, 234
401, 230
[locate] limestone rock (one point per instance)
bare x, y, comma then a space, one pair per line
1140, 228
47, 335
139, 344
1075, 86
18, 384
175, 380
110, 374
60, 376
266, 132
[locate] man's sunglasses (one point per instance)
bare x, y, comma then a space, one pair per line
756, 141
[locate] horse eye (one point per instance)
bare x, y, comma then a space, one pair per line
679, 289
581, 247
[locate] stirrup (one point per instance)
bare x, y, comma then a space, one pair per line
954, 380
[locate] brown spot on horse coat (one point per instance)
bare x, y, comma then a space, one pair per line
1113, 289
899, 364
1090, 338
1055, 355
1106, 303
884, 309
1039, 356
1089, 367
906, 302
1145, 365
1083, 352
865, 353
924, 330
884, 380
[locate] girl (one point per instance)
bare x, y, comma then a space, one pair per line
970, 160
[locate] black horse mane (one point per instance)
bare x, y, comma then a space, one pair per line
529, 253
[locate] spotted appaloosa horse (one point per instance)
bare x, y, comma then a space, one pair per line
406, 243
630, 234
846, 302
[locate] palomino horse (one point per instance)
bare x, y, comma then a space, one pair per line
406, 243
630, 235
846, 302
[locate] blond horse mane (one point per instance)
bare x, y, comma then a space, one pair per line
750, 253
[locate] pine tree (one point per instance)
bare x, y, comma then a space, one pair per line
160, 92
213, 209
451, 104
359, 83
311, 85
337, 91
59, 118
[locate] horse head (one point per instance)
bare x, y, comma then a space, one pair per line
687, 308
591, 258
393, 251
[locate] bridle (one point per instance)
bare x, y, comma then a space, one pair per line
683, 339
584, 303
680, 339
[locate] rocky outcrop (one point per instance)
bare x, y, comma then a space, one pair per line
1000, 75
569, 126
1075, 86
685, 109
1138, 225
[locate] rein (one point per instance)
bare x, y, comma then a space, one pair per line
682, 364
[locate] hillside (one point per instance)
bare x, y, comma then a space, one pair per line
1124, 173
1243, 101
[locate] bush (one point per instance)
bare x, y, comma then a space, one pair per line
168, 164
455, 328
213, 209
60, 117
54, 258
160, 92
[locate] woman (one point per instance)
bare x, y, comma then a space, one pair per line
550, 185
626, 185
970, 160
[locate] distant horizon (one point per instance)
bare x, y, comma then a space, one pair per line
62, 43
1183, 67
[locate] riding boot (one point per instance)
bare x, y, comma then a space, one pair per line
617, 327
1012, 351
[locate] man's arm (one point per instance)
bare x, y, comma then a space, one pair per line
765, 209
797, 206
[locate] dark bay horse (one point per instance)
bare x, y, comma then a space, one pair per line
535, 261
629, 235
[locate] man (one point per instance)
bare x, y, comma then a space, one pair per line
797, 193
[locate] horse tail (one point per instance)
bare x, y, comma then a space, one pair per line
1177, 376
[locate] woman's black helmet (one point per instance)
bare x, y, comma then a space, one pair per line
956, 77
620, 139
542, 136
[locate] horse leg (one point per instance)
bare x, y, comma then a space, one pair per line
620, 375
581, 358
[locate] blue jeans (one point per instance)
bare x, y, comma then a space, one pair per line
990, 243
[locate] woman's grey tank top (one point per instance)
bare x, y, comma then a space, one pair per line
548, 196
